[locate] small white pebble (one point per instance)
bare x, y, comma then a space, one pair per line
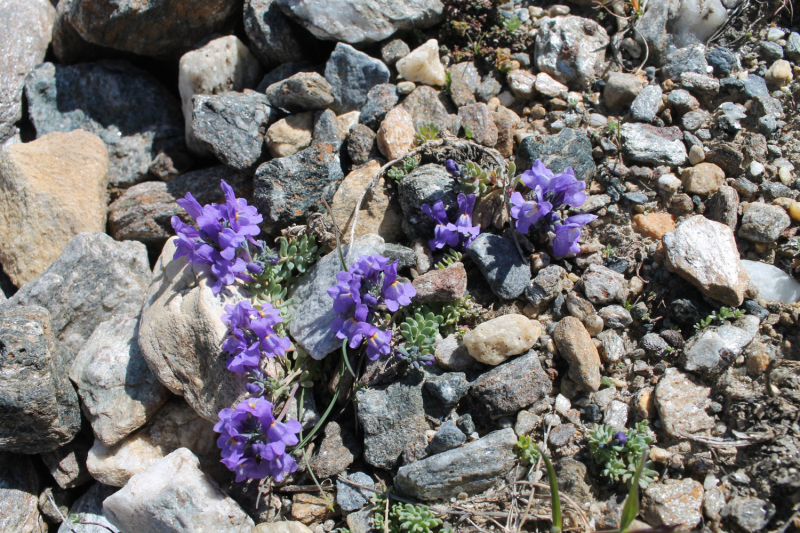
669, 183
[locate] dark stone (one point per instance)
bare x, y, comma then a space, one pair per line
394, 51
337, 451
19, 489
274, 38
464, 81
674, 338
688, 59
770, 50
282, 72
775, 189
447, 437
654, 344
763, 222
685, 311
425, 106
67, 463
617, 264
403, 255
380, 100
512, 386
466, 424
302, 91
40, 409
500, 263
726, 156
138, 119
288, 189
637, 198
361, 144
232, 126
426, 185
445, 391
723, 61
754, 309
745, 187
593, 413
352, 74
569, 148
548, 283
723, 206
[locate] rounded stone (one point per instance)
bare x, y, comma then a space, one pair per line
498, 339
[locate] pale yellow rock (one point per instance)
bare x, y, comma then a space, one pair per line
51, 189
347, 121
282, 527
290, 135
779, 74
498, 339
696, 155
794, 211
423, 65
396, 133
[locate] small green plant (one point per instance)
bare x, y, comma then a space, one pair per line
572, 102
725, 313
419, 332
478, 181
606, 381
408, 165
450, 258
628, 305
612, 128
609, 251
403, 517
526, 450
529, 453
467, 132
619, 452
426, 132
512, 24
448, 81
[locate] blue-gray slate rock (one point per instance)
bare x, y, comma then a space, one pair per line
312, 312
712, 350
568, 148
404, 256
352, 74
500, 263
275, 39
380, 100
472, 468
140, 122
512, 386
426, 185
288, 189
446, 438
447, 389
723, 60
301, 91
232, 126
688, 59
40, 408
646, 104
392, 418
351, 498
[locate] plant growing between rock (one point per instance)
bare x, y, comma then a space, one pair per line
619, 452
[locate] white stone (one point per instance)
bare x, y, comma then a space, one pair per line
175, 496
563, 405
756, 169
669, 183
773, 283
224, 64
347, 121
496, 340
423, 65
547, 86
616, 415
712, 350
698, 20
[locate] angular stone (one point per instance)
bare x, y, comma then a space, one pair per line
304, 90
513, 386
479, 120
67, 463
175, 493
351, 75
290, 135
350, 497
615, 316
522, 83
723, 206
441, 285
569, 148
380, 100
644, 143
19, 486
495, 340
647, 103
471, 468
576, 346
704, 178
586, 42
138, 119
712, 350
425, 185
464, 81
654, 225
53, 189
337, 451
396, 134
621, 89
287, 526
88, 509
763, 222
677, 504
273, 36
773, 284
603, 286
506, 121
500, 263
313, 312
704, 253
682, 404
451, 354
423, 65
361, 144
547, 86
750, 514
379, 213
425, 106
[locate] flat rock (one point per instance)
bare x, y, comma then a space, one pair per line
274, 38
441, 285
178, 496
362, 21
53, 189
137, 117
425, 106
304, 90
682, 404
337, 451
586, 40
621, 89
392, 418
568, 148
647, 103
352, 498
495, 340
451, 354
88, 509
426, 185
24, 36
712, 350
763, 222
576, 346
380, 100
704, 253
19, 486
396, 134
512, 386
478, 119
500, 263
678, 504
446, 389
471, 468
40, 407
644, 143
352, 74
464, 81
750, 514
313, 311
773, 283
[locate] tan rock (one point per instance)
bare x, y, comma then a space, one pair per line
506, 121
779, 73
643, 403
290, 135
496, 340
307, 509
379, 213
654, 225
347, 121
678, 503
423, 65
576, 346
682, 404
703, 178
696, 154
51, 189
282, 527
549, 87
522, 83
396, 133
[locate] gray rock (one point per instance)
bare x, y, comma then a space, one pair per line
337, 451
304, 90
480, 122
425, 107
613, 346
94, 278
380, 100
425, 185
654, 344
392, 418
52, 502
647, 103
512, 386
694, 120
472, 468
602, 286
119, 393
572, 479
447, 389
138, 119
723, 60
712, 350
723, 206
548, 283
19, 486
489, 88
362, 21
67, 463
584, 38
615, 316
288, 189
500, 263
274, 39
792, 48
404, 256
621, 89
88, 509
569, 148
282, 72
352, 74
763, 222
750, 514
770, 50
446, 438
682, 404
774, 189
394, 51
144, 211
361, 144
676, 504
40, 408
561, 435
464, 81
730, 116
644, 143
232, 126
687, 59
351, 498
701, 84
682, 101
313, 311
24, 36
451, 354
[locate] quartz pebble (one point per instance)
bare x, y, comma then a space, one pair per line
423, 65
773, 283
494, 341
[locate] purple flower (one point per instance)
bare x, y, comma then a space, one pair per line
345, 292
243, 219
568, 234
369, 267
620, 437
344, 327
445, 232
538, 176
395, 293
225, 270
190, 245
251, 336
567, 189
452, 167
464, 221
528, 213
377, 340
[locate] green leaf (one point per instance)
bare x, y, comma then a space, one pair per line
631, 509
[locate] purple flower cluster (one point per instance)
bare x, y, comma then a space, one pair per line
370, 282
253, 443
457, 235
549, 193
221, 236
251, 336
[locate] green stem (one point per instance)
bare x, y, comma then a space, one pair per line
346, 360
324, 416
554, 497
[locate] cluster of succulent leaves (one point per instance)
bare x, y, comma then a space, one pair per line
527, 451
397, 173
725, 313
621, 459
479, 181
282, 268
426, 132
450, 258
419, 332
404, 517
